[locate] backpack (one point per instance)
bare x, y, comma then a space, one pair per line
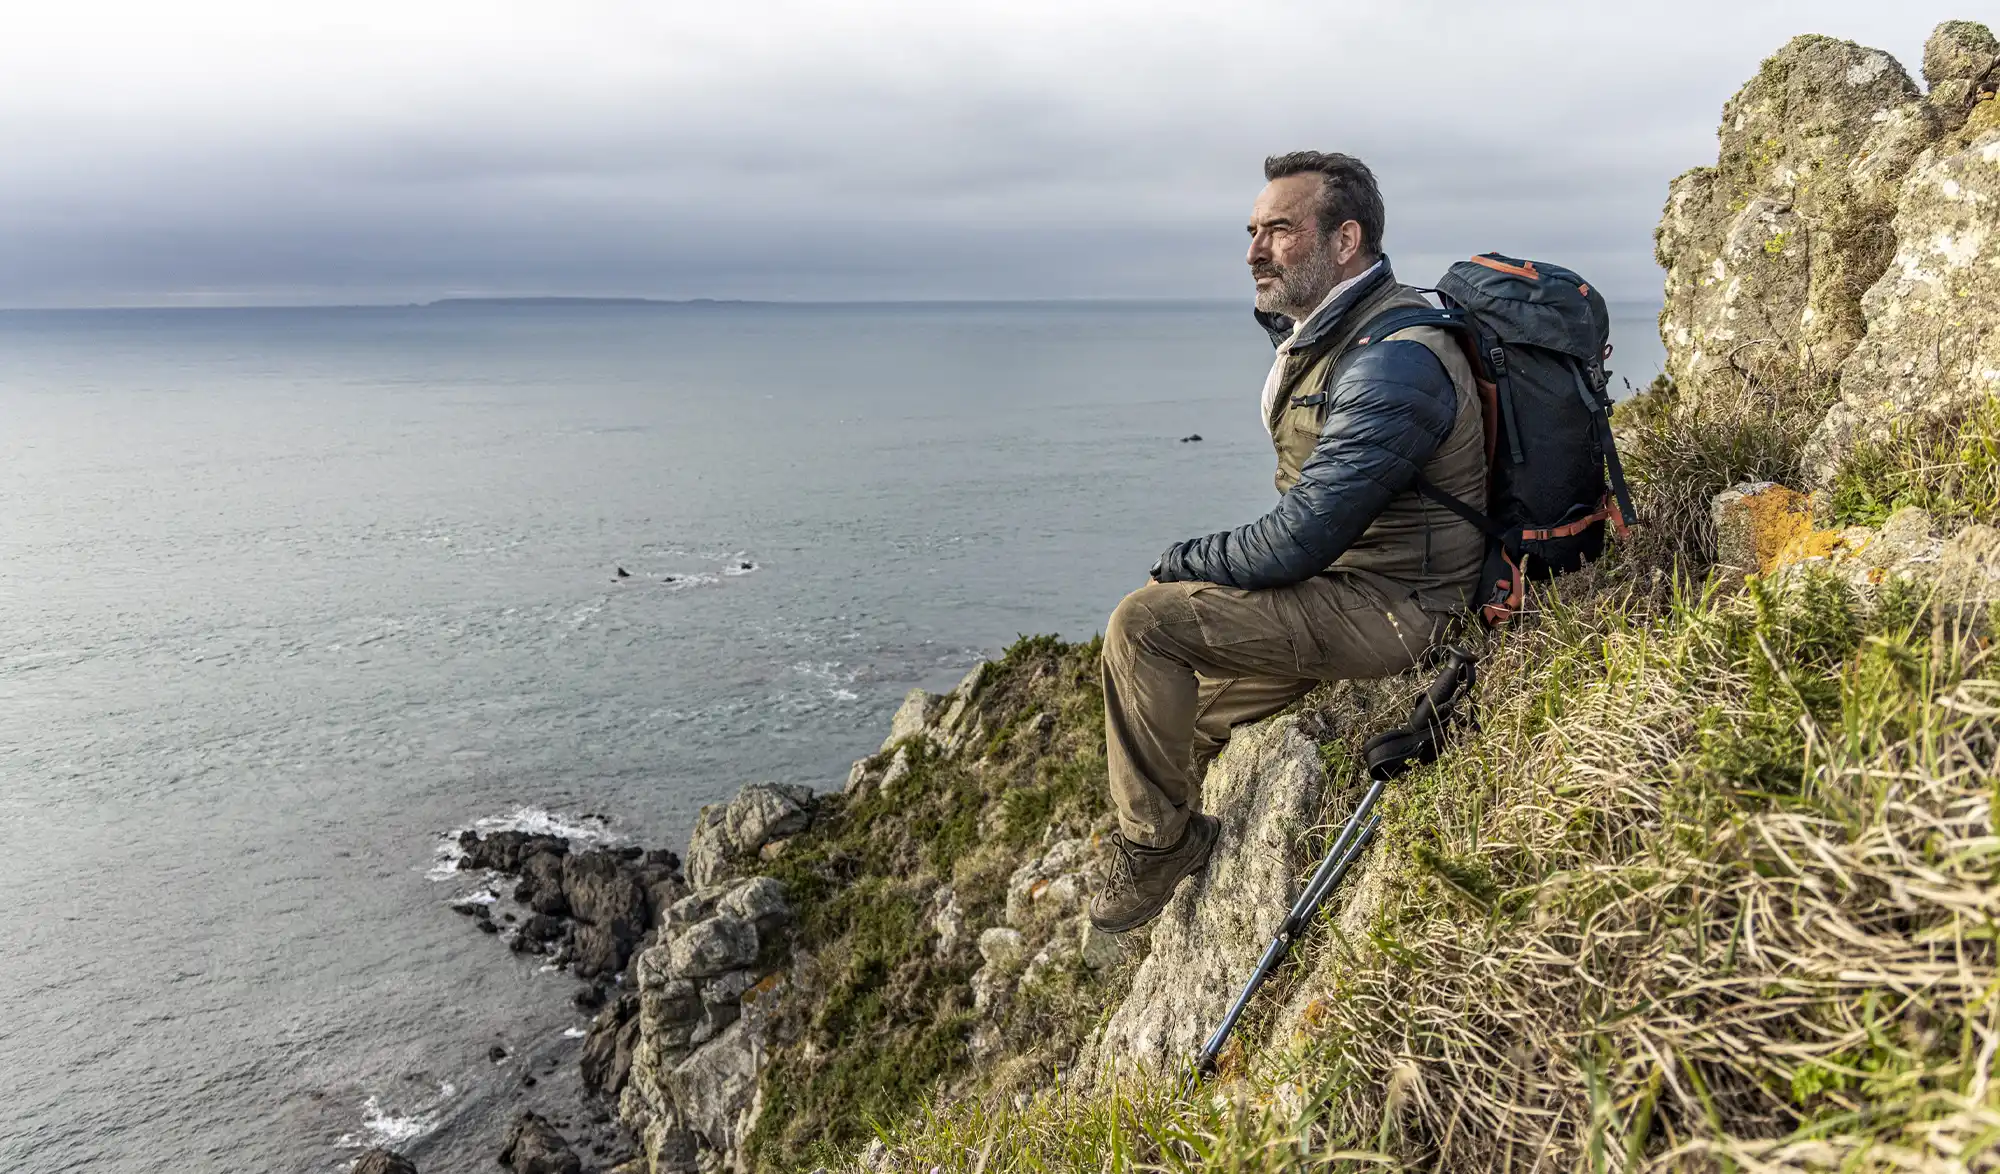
1537, 336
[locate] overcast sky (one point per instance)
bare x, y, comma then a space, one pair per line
309, 151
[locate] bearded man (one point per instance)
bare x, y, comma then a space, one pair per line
1352, 574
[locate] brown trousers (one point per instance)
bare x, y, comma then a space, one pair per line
1185, 662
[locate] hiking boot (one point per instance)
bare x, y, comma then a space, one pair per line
1142, 879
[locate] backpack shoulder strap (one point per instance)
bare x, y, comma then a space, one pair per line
1395, 321
1487, 526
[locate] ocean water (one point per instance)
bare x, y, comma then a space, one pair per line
287, 596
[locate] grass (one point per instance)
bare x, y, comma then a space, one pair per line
1679, 456
1949, 467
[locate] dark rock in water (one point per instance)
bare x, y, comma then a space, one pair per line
1194, 438
607, 1050
629, 852
590, 998
599, 952
623, 573
544, 929
471, 908
605, 895
496, 1053
379, 1161
506, 851
508, 918
664, 858
486, 925
529, 1081
534, 1147
541, 887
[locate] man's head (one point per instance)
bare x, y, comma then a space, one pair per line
1317, 223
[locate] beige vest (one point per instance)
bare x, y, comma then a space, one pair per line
1415, 547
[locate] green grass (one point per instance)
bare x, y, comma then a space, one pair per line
1950, 468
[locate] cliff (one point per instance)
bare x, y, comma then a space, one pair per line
1711, 885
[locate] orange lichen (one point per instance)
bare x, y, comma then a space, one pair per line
1778, 517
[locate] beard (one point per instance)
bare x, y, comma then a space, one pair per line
1300, 288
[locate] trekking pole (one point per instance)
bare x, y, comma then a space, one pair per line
1387, 755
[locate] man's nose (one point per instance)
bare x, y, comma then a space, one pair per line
1260, 249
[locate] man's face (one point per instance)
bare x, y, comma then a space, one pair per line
1292, 264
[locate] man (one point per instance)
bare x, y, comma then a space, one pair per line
1353, 574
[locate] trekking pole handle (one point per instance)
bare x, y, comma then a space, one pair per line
1439, 693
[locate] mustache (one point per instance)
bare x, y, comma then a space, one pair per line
1266, 271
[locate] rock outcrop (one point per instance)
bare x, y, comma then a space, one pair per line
729, 834
1767, 529
1842, 240
1268, 787
1767, 252
683, 1053
589, 910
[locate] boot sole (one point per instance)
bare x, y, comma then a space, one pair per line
1146, 913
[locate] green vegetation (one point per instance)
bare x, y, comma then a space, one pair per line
1948, 467
877, 1019
1679, 456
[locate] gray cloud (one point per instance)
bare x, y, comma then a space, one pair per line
367, 151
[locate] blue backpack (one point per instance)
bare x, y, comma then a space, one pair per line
1537, 336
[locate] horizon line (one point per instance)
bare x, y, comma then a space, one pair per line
613, 301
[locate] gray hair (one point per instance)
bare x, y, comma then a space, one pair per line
1347, 191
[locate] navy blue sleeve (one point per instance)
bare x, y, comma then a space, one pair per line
1387, 413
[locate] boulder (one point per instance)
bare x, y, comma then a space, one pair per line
381, 1161
897, 770
728, 832
534, 1147
541, 884
504, 851
710, 947
1932, 352
607, 1051
759, 901
1266, 787
716, 1086
604, 894
1768, 251
1959, 50
689, 909
948, 923
1005, 953
912, 716
602, 890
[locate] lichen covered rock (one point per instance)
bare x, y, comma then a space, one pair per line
1267, 787
1766, 252
731, 833
1933, 345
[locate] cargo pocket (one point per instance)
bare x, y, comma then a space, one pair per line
1254, 632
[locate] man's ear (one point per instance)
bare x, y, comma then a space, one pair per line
1347, 242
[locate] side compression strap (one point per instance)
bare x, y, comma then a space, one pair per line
1600, 411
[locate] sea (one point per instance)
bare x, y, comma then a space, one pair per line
290, 596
